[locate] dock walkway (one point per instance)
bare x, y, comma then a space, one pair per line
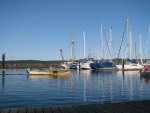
122, 107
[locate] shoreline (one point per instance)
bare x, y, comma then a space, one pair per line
30, 64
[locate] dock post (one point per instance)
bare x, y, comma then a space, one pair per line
79, 64
123, 65
3, 61
79, 67
123, 69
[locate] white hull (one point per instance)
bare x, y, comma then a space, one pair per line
130, 67
67, 65
48, 72
85, 66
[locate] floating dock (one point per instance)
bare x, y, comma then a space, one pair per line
121, 107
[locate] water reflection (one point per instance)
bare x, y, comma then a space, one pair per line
99, 81
131, 87
102, 72
126, 73
146, 79
3, 80
84, 87
46, 76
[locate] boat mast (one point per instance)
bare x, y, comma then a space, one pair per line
98, 54
90, 51
141, 49
130, 45
72, 56
110, 41
103, 51
84, 42
147, 40
128, 41
135, 51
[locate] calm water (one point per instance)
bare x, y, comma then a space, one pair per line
17, 89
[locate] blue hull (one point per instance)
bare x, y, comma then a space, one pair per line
101, 65
73, 66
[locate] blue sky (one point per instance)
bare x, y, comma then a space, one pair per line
37, 29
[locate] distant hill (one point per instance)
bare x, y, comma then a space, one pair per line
32, 61
30, 64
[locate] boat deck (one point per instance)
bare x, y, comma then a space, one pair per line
122, 107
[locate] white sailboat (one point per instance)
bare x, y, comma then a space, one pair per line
71, 64
130, 64
85, 63
147, 62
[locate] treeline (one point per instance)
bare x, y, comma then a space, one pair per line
40, 64
30, 64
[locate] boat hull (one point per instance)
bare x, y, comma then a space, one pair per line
85, 66
130, 67
61, 72
104, 65
48, 72
144, 73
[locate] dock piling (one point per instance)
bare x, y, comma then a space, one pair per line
3, 61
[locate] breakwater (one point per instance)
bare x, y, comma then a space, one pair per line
29, 64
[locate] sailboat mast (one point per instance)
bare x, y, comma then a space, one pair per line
141, 49
72, 59
90, 51
103, 51
130, 45
128, 41
84, 42
135, 51
98, 54
147, 40
110, 57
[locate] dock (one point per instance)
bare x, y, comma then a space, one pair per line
121, 107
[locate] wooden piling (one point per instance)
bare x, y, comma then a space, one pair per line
123, 65
3, 61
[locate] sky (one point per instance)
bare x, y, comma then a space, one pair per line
38, 29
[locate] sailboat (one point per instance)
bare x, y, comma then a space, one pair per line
147, 62
85, 63
130, 64
102, 64
145, 72
71, 64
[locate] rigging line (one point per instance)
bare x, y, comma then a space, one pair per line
122, 40
106, 42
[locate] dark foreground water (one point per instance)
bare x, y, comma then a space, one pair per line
17, 89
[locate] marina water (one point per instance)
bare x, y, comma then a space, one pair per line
17, 89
